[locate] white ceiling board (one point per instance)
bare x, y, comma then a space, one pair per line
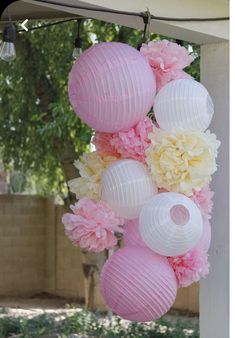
197, 32
20, 10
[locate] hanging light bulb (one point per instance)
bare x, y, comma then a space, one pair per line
7, 50
77, 49
78, 41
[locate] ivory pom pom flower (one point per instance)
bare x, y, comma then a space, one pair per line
91, 167
127, 144
190, 267
182, 161
92, 225
203, 199
167, 60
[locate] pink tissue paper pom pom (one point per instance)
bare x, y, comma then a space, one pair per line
127, 144
203, 199
103, 145
167, 60
92, 225
190, 267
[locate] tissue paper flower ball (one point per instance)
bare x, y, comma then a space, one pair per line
167, 60
102, 143
203, 199
182, 161
138, 284
92, 225
126, 144
190, 267
91, 167
133, 142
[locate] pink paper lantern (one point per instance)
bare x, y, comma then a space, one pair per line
131, 235
111, 87
138, 284
205, 240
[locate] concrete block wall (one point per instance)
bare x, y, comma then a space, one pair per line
36, 256
22, 245
188, 298
69, 273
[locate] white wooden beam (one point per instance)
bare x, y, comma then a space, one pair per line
214, 290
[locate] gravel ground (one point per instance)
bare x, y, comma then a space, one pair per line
30, 307
60, 309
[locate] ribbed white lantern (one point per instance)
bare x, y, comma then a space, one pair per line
126, 186
170, 224
183, 104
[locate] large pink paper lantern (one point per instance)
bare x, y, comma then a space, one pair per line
138, 284
111, 86
131, 235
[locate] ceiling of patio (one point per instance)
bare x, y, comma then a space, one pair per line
198, 32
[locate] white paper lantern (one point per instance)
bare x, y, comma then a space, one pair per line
170, 224
126, 186
183, 104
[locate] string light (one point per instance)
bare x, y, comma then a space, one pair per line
7, 51
107, 10
78, 41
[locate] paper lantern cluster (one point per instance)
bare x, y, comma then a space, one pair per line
147, 181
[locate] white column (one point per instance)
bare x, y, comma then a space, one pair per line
214, 290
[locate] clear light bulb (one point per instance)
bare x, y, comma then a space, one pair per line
77, 42
77, 52
7, 51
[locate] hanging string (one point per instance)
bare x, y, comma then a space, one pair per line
46, 25
179, 42
147, 20
108, 10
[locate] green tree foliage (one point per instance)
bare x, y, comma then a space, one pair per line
40, 134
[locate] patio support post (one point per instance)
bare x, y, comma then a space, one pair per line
214, 290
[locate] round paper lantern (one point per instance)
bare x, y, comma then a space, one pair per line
131, 235
205, 239
170, 224
111, 86
125, 187
137, 284
183, 104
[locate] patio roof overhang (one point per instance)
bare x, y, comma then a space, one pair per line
197, 32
